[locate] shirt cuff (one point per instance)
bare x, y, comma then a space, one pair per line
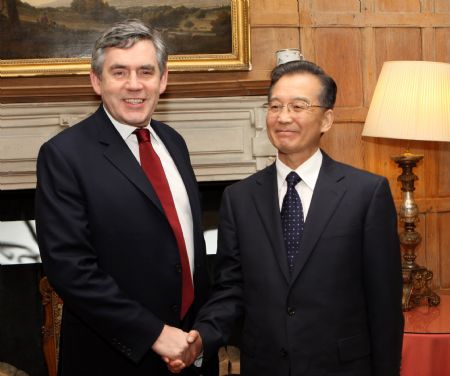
199, 361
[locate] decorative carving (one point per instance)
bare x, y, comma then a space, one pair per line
53, 307
227, 139
7, 369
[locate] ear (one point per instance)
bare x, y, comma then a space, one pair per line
163, 81
327, 121
96, 83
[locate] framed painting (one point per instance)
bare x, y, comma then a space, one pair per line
55, 37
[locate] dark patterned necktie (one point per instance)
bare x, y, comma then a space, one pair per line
154, 170
292, 219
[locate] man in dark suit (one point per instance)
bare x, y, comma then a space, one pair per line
125, 252
308, 252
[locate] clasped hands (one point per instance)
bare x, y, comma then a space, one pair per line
178, 348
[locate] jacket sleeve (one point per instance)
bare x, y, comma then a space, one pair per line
383, 281
216, 318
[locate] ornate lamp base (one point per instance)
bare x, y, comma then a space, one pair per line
416, 279
416, 288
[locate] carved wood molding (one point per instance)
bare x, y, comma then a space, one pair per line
53, 307
29, 91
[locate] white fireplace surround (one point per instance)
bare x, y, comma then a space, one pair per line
226, 137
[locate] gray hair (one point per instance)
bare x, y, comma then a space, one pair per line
126, 34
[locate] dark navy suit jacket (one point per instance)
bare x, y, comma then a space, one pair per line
339, 311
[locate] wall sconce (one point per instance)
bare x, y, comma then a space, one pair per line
411, 102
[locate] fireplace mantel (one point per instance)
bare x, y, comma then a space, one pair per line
226, 136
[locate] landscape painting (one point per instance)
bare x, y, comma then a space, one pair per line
53, 35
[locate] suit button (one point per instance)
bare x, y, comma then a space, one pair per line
178, 268
175, 308
291, 311
283, 353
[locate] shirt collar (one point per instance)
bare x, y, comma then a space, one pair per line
126, 130
308, 170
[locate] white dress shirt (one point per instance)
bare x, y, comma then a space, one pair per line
308, 172
179, 193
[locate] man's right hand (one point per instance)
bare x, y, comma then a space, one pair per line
195, 349
172, 343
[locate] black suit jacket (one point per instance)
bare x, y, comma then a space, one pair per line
339, 311
109, 251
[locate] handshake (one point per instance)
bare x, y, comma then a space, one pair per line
178, 348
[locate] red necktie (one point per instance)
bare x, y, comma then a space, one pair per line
153, 168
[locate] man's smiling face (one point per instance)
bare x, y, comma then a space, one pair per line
296, 135
130, 83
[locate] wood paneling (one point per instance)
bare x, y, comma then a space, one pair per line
274, 38
398, 5
443, 6
443, 44
444, 250
377, 158
336, 6
421, 250
442, 177
335, 142
397, 44
269, 12
338, 51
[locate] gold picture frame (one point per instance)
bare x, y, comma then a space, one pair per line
237, 59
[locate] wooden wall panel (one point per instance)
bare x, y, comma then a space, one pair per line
397, 5
343, 142
269, 12
338, 51
442, 6
430, 169
421, 250
444, 250
443, 44
425, 169
336, 6
431, 238
397, 44
265, 41
443, 170
377, 158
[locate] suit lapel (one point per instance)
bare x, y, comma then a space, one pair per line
327, 194
119, 154
266, 201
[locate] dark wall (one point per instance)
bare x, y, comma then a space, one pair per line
17, 205
21, 318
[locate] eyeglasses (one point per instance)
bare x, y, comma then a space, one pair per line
296, 107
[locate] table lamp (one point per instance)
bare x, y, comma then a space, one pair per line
411, 101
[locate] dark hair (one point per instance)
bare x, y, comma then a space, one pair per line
327, 97
126, 34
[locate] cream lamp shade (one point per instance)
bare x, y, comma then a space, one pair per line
411, 101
